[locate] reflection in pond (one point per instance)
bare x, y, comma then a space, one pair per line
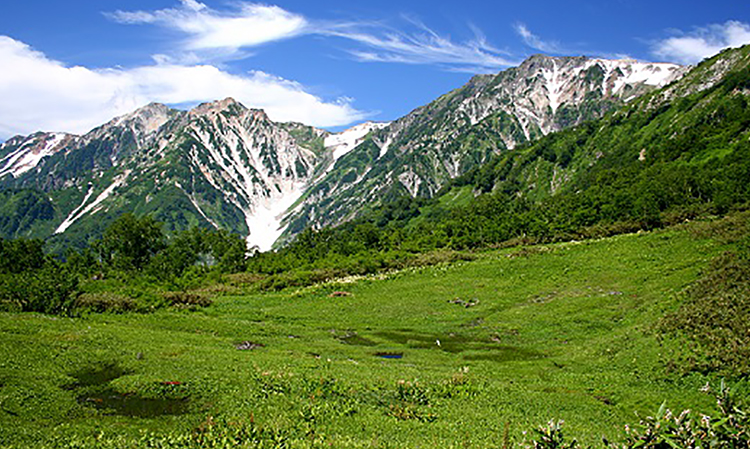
94, 389
112, 402
471, 348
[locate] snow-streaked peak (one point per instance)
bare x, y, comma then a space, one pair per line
345, 141
565, 77
257, 165
623, 72
32, 151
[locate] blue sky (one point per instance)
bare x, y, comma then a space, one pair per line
69, 66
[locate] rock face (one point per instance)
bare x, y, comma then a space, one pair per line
226, 166
417, 154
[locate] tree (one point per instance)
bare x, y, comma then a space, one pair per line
21, 255
130, 242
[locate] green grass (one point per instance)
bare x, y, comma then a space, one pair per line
565, 331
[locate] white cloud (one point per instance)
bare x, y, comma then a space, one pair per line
251, 25
222, 35
42, 94
535, 42
701, 43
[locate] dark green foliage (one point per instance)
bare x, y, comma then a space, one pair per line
23, 211
19, 256
32, 282
130, 242
51, 289
134, 267
201, 247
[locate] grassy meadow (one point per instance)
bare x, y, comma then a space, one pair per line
469, 354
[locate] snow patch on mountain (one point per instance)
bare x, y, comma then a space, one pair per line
93, 207
265, 221
554, 86
28, 155
346, 141
74, 214
624, 72
411, 181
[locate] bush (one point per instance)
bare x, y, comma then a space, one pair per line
18, 256
130, 242
51, 290
186, 300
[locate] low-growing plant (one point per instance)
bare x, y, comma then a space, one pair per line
728, 427
186, 300
550, 437
104, 302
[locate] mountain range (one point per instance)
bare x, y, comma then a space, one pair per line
223, 165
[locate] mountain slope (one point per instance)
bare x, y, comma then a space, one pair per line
223, 165
678, 154
699, 120
417, 154
219, 165
672, 155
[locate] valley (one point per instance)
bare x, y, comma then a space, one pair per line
566, 240
512, 338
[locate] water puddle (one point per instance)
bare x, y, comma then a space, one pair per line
454, 343
390, 355
94, 389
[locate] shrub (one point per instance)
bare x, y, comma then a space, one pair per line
105, 302
186, 300
51, 290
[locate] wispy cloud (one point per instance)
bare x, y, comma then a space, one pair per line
43, 94
536, 42
694, 46
212, 34
422, 46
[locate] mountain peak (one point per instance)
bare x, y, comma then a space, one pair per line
150, 117
214, 107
